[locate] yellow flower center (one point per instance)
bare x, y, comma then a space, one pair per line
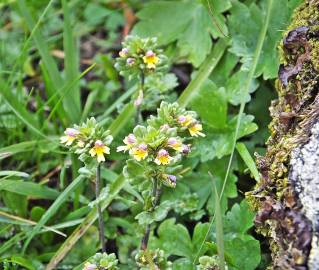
185, 121
195, 130
98, 150
163, 158
150, 59
140, 152
175, 144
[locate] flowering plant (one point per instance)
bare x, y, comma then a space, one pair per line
156, 151
152, 260
101, 261
140, 58
160, 146
140, 55
90, 141
209, 263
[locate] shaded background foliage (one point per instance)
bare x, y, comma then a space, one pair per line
57, 68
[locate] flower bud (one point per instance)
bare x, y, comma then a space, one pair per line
130, 61
185, 149
90, 266
123, 52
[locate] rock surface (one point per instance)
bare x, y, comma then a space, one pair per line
304, 176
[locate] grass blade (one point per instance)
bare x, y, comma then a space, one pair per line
71, 57
22, 147
53, 209
20, 109
203, 73
249, 161
33, 190
121, 99
11, 242
115, 188
219, 228
7, 174
49, 63
29, 222
65, 90
20, 261
122, 119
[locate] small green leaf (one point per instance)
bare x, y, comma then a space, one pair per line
95, 13
211, 105
187, 22
234, 88
239, 212
160, 212
244, 34
174, 239
244, 252
245, 155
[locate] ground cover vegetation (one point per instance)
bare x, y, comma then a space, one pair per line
128, 131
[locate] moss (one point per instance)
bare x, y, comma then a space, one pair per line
288, 128
315, 53
305, 15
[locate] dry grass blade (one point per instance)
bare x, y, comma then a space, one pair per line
30, 222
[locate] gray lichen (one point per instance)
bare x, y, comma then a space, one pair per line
304, 176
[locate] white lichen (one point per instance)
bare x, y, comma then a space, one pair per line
304, 176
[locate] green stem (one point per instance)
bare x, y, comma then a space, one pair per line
99, 211
156, 193
139, 118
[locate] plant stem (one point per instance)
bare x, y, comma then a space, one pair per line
99, 211
156, 196
139, 118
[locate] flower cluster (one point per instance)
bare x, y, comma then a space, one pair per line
143, 257
173, 116
141, 59
139, 55
164, 141
102, 261
209, 263
89, 140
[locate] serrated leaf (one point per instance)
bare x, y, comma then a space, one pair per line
219, 143
244, 34
244, 252
95, 13
210, 103
239, 212
187, 22
174, 239
234, 88
183, 264
160, 212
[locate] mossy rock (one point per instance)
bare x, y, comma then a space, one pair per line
281, 197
